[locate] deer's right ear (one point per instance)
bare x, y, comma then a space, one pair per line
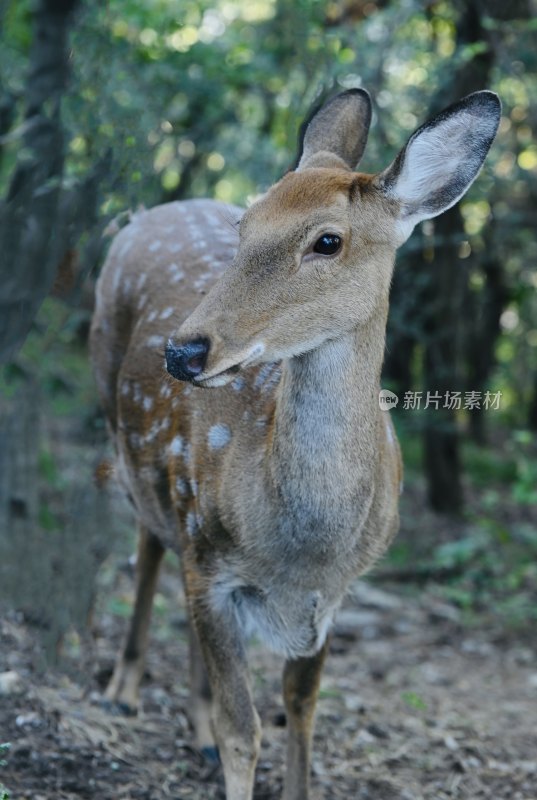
441, 159
337, 132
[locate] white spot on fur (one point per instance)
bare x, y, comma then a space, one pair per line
181, 486
142, 300
154, 246
219, 436
187, 453
194, 487
176, 273
154, 341
166, 313
151, 317
263, 375
174, 247
153, 432
239, 383
125, 388
176, 446
165, 390
201, 282
191, 524
140, 283
148, 403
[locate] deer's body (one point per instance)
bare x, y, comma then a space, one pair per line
292, 511
279, 484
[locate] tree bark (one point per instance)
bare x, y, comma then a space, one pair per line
29, 214
447, 280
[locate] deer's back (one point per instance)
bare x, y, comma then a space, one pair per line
169, 436
156, 273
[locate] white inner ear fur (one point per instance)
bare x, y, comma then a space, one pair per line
433, 158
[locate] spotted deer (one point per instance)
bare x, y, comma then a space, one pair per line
246, 422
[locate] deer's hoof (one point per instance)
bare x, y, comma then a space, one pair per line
211, 755
118, 708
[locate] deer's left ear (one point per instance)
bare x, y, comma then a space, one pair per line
336, 135
441, 159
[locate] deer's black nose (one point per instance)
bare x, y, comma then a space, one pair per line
186, 361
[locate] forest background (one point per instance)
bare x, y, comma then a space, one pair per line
105, 107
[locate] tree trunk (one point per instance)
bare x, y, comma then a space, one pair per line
29, 214
483, 328
447, 281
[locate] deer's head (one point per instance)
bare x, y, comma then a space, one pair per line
316, 252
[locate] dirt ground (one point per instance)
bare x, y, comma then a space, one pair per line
413, 706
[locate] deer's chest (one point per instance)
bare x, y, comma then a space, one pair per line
290, 619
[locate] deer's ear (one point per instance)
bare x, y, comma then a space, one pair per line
441, 159
337, 132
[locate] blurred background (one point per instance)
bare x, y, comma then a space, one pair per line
106, 107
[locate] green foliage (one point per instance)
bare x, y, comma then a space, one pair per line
414, 701
4, 748
488, 563
120, 606
493, 571
486, 467
525, 484
54, 355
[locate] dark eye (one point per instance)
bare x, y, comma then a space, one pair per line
327, 245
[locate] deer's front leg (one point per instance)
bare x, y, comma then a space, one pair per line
236, 725
122, 691
301, 679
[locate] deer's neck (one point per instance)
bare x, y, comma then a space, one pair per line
324, 447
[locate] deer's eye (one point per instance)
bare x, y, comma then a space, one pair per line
327, 245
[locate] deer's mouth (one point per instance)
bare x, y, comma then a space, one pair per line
221, 376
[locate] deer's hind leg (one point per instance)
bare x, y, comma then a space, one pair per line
200, 702
122, 692
301, 680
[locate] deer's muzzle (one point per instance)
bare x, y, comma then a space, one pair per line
185, 362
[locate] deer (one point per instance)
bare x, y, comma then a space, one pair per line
238, 356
